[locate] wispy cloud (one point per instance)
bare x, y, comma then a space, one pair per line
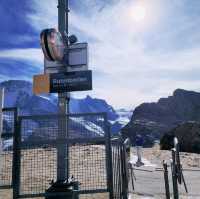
32, 55
133, 61
16, 69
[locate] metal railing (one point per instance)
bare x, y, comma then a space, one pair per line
176, 173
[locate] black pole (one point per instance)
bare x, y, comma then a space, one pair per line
185, 185
63, 98
178, 162
174, 174
16, 157
167, 190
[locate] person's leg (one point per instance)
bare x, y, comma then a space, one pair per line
138, 154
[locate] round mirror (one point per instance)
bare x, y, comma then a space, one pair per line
52, 44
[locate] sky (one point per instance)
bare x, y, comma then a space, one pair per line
139, 50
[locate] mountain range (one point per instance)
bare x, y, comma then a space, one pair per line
152, 120
18, 93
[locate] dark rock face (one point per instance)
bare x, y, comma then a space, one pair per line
188, 135
155, 119
182, 106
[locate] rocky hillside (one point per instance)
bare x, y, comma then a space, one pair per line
154, 119
188, 135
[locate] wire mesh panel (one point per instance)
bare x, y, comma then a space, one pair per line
37, 170
79, 141
88, 166
6, 169
8, 122
6, 155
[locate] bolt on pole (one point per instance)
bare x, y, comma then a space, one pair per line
63, 98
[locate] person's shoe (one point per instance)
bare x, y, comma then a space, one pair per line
139, 164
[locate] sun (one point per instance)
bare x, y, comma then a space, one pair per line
138, 13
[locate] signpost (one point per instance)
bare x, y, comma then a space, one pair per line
62, 82
65, 70
71, 81
41, 84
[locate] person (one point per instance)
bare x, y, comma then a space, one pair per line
139, 143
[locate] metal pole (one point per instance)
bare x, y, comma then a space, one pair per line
174, 174
63, 98
178, 162
167, 191
16, 157
1, 121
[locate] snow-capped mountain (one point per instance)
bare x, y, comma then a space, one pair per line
19, 93
90, 104
124, 116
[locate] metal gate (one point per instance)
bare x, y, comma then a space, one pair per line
119, 169
87, 154
6, 155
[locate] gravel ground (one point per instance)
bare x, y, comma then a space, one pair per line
38, 168
149, 183
150, 180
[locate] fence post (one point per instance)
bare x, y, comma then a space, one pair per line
123, 170
108, 158
16, 158
174, 174
1, 122
15, 111
167, 191
178, 163
126, 149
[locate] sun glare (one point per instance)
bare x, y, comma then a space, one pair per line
138, 13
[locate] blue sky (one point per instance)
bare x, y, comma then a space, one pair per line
140, 50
